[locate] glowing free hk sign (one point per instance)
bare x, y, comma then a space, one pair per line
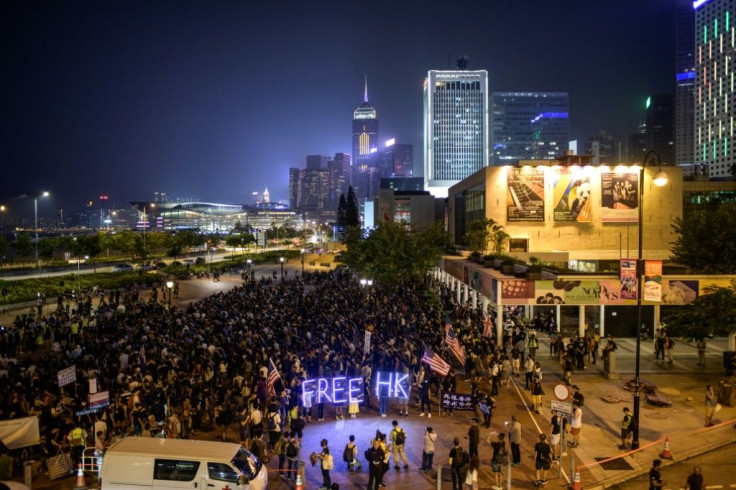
342, 389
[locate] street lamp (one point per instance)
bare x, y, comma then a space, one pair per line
145, 225
35, 220
250, 264
79, 274
659, 180
170, 285
303, 250
282, 268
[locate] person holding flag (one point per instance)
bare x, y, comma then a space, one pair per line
273, 376
437, 365
453, 344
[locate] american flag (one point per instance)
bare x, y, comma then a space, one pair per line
454, 345
436, 363
487, 330
273, 376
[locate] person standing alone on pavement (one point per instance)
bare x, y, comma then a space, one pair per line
576, 424
428, 454
700, 345
710, 405
398, 439
515, 441
473, 438
374, 456
626, 428
695, 480
458, 459
542, 459
655, 475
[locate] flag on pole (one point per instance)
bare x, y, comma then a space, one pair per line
454, 344
273, 376
487, 326
436, 363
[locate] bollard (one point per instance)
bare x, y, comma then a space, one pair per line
28, 473
508, 475
439, 476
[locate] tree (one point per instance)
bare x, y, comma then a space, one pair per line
705, 240
4, 246
393, 253
342, 216
352, 215
712, 313
484, 231
24, 245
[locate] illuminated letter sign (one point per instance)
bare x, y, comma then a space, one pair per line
332, 390
392, 385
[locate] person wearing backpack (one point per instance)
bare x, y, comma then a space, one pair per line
350, 455
326, 463
398, 439
458, 461
274, 428
542, 459
292, 455
500, 459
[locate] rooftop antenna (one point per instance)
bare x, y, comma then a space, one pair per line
365, 93
462, 63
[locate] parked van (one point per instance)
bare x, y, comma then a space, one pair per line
148, 462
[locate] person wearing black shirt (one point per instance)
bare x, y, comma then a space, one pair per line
374, 455
655, 475
457, 460
542, 459
473, 438
695, 480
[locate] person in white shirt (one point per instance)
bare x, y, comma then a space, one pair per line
576, 423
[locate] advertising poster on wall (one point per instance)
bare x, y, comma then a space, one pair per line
547, 294
517, 289
584, 293
611, 293
676, 292
653, 280
620, 197
571, 196
525, 194
628, 278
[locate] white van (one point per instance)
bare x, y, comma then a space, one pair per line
149, 462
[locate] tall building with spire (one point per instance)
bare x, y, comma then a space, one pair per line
365, 141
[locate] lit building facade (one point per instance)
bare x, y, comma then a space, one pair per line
529, 125
715, 43
365, 139
684, 84
456, 130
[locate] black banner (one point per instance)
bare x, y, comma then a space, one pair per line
457, 401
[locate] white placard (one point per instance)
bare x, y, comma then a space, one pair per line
67, 376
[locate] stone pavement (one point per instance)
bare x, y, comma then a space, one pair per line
683, 382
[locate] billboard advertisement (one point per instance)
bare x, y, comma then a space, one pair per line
628, 278
525, 194
619, 197
653, 280
571, 196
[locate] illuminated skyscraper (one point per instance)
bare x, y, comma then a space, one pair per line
529, 126
455, 127
715, 39
365, 139
684, 95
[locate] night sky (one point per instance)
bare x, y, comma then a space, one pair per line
215, 100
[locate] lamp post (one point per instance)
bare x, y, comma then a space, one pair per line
35, 221
282, 268
303, 250
250, 264
79, 274
659, 180
170, 285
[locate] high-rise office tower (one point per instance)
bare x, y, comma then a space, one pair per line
295, 187
455, 127
659, 121
339, 168
684, 94
365, 137
315, 184
715, 39
529, 126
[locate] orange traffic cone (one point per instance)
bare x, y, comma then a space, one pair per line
299, 485
81, 484
666, 454
576, 482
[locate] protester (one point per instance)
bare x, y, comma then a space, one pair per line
695, 480
398, 439
542, 459
428, 453
515, 439
655, 475
457, 460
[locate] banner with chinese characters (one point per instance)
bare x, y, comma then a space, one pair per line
525, 194
628, 278
620, 197
653, 280
457, 401
571, 195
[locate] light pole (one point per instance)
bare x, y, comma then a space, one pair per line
250, 264
170, 285
35, 221
145, 225
282, 268
79, 274
303, 250
659, 180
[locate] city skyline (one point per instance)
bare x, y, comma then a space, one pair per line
218, 101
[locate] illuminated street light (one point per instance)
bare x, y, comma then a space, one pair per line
35, 220
659, 180
282, 268
303, 251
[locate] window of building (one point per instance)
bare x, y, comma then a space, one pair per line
518, 245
